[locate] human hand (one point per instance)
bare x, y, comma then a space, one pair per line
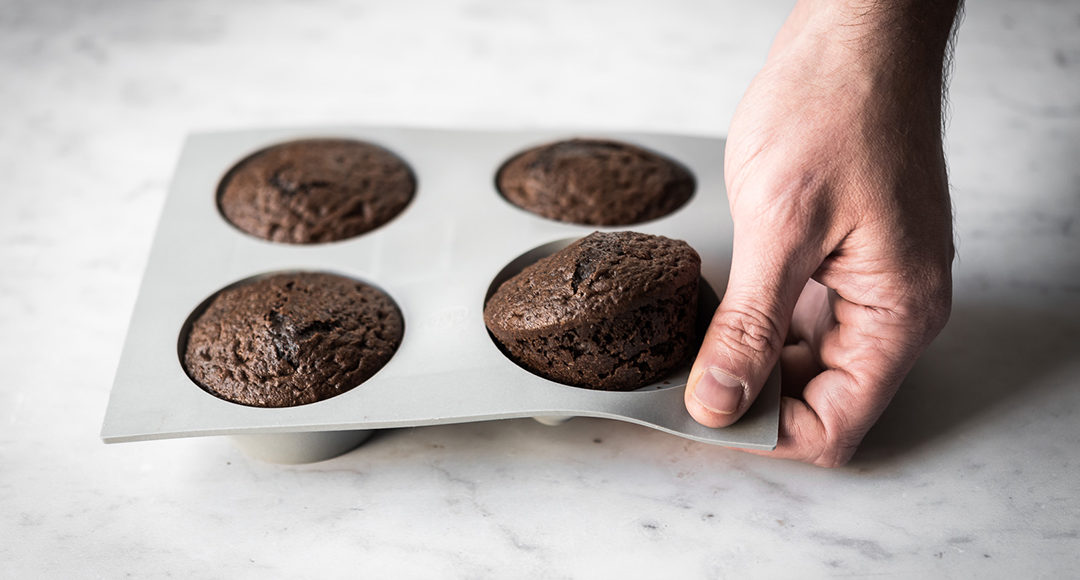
841, 264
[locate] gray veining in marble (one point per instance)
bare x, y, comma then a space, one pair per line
970, 473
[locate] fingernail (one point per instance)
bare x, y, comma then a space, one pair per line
719, 392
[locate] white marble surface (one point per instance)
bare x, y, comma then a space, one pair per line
972, 471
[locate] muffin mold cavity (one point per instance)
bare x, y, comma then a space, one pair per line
289, 338
588, 338
311, 191
598, 182
439, 260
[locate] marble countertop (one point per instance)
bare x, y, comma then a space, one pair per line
972, 471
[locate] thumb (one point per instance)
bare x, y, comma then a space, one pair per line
744, 339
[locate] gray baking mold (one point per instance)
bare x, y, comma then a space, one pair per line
438, 261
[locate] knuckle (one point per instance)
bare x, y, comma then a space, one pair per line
940, 310
749, 332
935, 298
917, 310
931, 312
842, 431
835, 452
817, 444
936, 294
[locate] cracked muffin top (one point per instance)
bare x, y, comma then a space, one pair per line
315, 190
595, 182
611, 311
593, 279
291, 339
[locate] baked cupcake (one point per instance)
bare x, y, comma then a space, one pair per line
595, 182
612, 311
291, 339
316, 190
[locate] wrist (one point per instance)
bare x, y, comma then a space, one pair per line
871, 23
909, 35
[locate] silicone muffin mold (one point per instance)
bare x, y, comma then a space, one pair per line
437, 260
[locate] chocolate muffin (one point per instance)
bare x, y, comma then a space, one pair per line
595, 182
612, 311
316, 190
291, 339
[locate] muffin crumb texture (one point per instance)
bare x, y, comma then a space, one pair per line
291, 339
316, 190
595, 182
612, 311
